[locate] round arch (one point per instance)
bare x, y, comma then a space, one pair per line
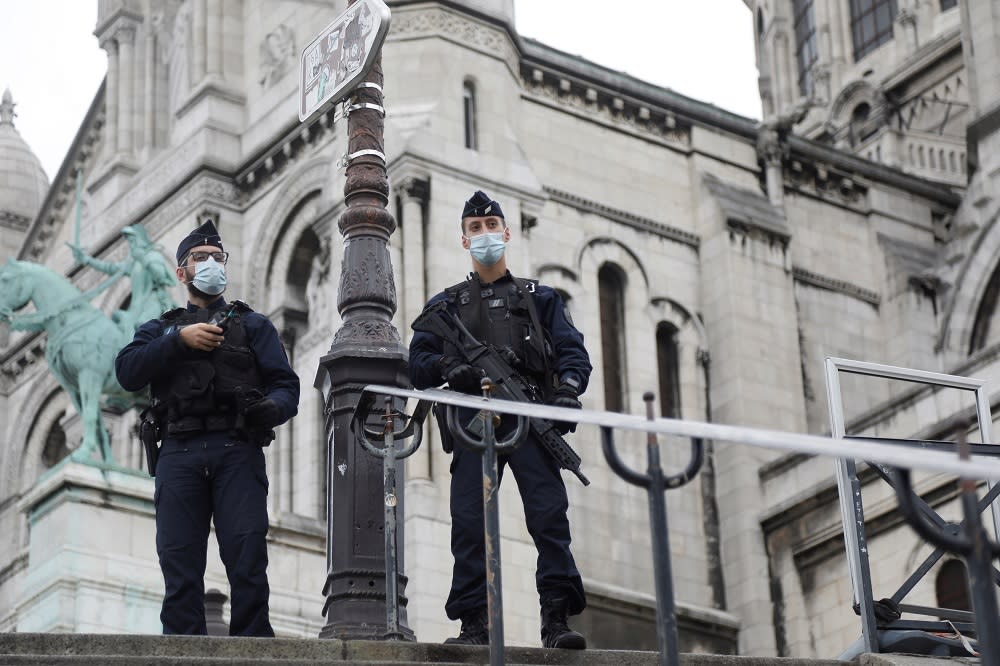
969, 289
311, 181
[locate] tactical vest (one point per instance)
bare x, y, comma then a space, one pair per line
204, 394
499, 314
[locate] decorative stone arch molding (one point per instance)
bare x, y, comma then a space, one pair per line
853, 94
639, 339
692, 342
46, 406
967, 293
603, 249
309, 182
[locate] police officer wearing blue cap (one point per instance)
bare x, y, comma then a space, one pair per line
219, 381
505, 311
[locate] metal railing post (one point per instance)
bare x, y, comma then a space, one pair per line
490, 447
389, 457
656, 484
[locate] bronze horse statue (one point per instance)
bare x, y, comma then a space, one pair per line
81, 346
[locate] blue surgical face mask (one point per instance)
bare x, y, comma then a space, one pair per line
487, 248
210, 277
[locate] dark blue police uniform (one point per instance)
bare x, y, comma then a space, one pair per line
538, 475
208, 468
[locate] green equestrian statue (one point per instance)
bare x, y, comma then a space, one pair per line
82, 341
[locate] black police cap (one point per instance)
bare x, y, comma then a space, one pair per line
206, 234
480, 205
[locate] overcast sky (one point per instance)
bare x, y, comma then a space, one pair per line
53, 66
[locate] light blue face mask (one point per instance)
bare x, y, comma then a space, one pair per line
210, 277
487, 248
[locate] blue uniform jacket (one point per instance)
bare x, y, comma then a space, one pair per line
569, 354
155, 351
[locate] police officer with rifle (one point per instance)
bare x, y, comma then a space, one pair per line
219, 382
519, 333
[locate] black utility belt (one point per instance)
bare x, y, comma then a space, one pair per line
194, 425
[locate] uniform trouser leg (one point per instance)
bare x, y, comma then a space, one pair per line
543, 494
183, 510
239, 489
468, 580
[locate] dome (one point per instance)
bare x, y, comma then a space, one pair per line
23, 183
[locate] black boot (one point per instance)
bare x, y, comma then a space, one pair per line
555, 632
475, 629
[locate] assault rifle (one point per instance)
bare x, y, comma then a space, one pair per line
510, 385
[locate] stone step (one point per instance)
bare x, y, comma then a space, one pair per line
65, 649
18, 649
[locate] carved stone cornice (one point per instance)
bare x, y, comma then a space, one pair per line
605, 106
121, 25
826, 182
14, 221
289, 147
832, 284
20, 359
414, 188
448, 24
624, 217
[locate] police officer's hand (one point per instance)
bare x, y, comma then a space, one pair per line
464, 377
262, 414
566, 396
511, 357
203, 337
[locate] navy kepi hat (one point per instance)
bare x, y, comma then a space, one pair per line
206, 234
480, 205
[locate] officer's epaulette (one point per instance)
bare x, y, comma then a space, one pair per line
172, 314
241, 306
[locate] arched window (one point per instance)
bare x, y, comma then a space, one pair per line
859, 116
667, 361
611, 290
871, 25
469, 114
952, 586
760, 23
806, 52
55, 448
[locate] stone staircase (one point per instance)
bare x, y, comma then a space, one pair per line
114, 650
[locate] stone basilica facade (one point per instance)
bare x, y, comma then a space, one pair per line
705, 256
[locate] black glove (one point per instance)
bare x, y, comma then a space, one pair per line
566, 396
262, 414
462, 376
511, 357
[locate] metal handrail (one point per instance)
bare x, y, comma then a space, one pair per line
971, 467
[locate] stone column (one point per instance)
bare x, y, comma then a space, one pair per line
111, 98
214, 38
750, 319
981, 52
415, 193
125, 36
366, 350
199, 40
149, 92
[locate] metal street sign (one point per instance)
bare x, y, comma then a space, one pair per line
341, 55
